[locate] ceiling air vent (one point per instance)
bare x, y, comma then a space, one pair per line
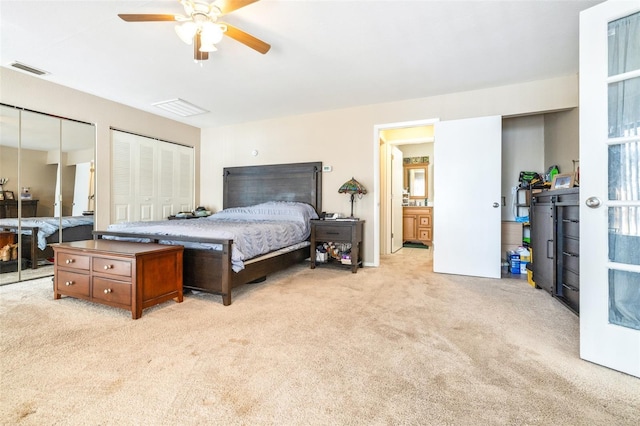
180, 107
28, 68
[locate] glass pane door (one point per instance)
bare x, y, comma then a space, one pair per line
610, 185
624, 170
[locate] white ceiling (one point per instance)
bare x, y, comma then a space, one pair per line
325, 54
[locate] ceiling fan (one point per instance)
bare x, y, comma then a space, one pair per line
199, 25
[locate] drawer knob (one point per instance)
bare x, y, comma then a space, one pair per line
108, 266
68, 283
107, 290
69, 261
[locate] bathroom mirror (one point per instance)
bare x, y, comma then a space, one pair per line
415, 180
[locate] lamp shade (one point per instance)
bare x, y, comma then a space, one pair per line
352, 186
211, 33
186, 31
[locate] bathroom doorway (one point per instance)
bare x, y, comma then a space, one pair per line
413, 140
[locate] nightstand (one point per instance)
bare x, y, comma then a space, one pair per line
338, 231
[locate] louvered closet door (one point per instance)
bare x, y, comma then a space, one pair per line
151, 179
184, 188
122, 179
176, 179
166, 178
147, 198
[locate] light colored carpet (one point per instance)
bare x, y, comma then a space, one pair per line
394, 345
44, 270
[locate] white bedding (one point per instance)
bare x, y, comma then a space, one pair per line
47, 225
255, 230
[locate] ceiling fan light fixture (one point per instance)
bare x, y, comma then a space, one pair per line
208, 47
211, 33
199, 25
186, 31
188, 7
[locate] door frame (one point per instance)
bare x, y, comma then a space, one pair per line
379, 216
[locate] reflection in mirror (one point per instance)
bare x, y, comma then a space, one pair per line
49, 164
9, 137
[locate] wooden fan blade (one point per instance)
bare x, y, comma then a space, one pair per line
247, 39
146, 17
227, 6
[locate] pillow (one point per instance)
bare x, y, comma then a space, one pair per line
289, 211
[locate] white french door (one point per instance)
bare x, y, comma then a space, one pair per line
466, 222
610, 185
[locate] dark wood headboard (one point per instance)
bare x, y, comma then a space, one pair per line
301, 182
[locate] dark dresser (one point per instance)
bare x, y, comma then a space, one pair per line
9, 208
555, 244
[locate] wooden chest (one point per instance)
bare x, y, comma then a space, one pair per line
126, 275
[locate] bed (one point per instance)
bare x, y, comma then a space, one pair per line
244, 189
38, 232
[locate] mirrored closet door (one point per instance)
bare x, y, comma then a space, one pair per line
47, 196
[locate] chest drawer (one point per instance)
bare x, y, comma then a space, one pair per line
73, 283
72, 260
112, 291
333, 233
112, 266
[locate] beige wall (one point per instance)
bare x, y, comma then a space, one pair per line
522, 150
22, 90
345, 139
561, 137
41, 177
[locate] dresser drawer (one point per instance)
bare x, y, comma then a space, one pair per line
333, 233
571, 213
571, 297
112, 291
73, 283
571, 261
74, 261
571, 279
112, 266
571, 228
571, 245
